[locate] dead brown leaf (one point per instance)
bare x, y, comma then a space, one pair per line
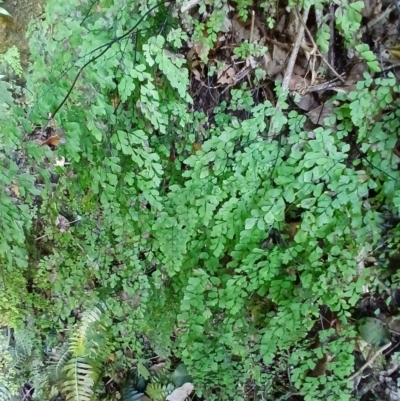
274, 69
318, 115
197, 147
371, 8
53, 141
298, 83
292, 228
279, 55
321, 366
15, 190
394, 51
356, 74
115, 101
226, 76
242, 31
307, 102
201, 50
62, 223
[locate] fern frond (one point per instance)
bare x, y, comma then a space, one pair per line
137, 381
129, 393
159, 392
22, 348
89, 317
23, 342
79, 381
161, 376
58, 359
5, 394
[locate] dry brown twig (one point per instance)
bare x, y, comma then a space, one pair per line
370, 360
381, 16
317, 50
291, 63
253, 17
296, 48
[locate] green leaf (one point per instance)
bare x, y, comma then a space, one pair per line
181, 376
4, 12
142, 370
374, 332
250, 223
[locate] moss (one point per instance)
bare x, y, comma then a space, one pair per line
13, 30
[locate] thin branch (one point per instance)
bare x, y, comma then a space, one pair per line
318, 52
106, 46
370, 361
290, 66
296, 48
253, 17
331, 54
380, 17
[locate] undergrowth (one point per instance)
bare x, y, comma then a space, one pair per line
204, 237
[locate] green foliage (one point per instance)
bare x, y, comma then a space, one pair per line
130, 394
11, 59
368, 56
181, 376
249, 49
158, 391
181, 251
374, 332
348, 18
323, 36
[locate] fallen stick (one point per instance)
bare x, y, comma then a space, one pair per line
370, 360
291, 63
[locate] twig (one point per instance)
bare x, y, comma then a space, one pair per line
331, 54
106, 47
379, 17
370, 361
389, 372
279, 44
253, 17
296, 48
324, 86
318, 52
290, 66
